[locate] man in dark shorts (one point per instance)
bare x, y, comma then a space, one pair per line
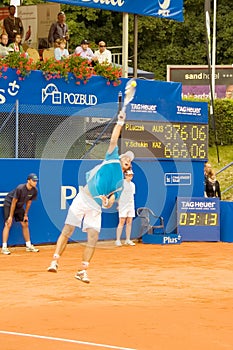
16, 206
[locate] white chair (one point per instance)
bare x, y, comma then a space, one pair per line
48, 53
34, 54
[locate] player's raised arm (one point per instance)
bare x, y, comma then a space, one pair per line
116, 131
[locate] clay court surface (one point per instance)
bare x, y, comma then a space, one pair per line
177, 297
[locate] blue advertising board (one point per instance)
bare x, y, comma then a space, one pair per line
198, 218
59, 182
94, 98
169, 9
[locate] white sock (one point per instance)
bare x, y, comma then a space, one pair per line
4, 245
28, 244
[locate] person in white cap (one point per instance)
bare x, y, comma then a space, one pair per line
16, 206
126, 210
85, 51
103, 188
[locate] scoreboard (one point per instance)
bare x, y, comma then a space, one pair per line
198, 219
165, 140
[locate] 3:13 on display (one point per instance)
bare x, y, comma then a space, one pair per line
198, 219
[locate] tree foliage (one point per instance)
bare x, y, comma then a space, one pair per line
160, 42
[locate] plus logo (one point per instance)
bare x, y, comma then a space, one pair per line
164, 8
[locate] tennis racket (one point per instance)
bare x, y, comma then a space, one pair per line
106, 126
109, 195
130, 90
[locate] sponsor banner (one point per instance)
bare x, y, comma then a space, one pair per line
96, 94
47, 14
37, 20
169, 9
161, 239
28, 15
177, 179
149, 103
191, 112
195, 80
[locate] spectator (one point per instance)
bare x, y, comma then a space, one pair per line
61, 52
84, 51
229, 91
102, 54
16, 45
207, 169
126, 210
13, 25
4, 49
212, 188
58, 30
14, 203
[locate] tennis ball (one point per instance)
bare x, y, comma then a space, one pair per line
134, 84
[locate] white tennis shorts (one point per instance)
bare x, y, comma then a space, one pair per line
84, 212
127, 212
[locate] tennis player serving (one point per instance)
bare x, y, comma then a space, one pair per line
103, 188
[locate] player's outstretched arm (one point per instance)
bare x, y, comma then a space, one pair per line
116, 131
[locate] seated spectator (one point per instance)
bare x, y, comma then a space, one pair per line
61, 52
212, 187
4, 49
102, 54
84, 51
17, 45
57, 43
58, 30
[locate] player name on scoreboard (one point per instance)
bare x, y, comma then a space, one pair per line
165, 140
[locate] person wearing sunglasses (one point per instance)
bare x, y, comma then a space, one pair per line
103, 55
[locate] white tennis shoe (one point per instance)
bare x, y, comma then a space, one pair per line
32, 249
6, 251
53, 267
129, 242
82, 276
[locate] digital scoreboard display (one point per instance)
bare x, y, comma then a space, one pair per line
165, 140
198, 218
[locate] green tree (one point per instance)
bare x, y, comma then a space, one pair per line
160, 42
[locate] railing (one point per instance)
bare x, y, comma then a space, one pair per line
116, 54
223, 169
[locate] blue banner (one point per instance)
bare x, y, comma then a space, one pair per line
97, 99
169, 9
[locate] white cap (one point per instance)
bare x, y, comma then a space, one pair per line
129, 172
128, 154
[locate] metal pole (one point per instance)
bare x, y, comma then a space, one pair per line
135, 50
16, 128
125, 45
214, 48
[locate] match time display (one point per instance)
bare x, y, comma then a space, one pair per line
165, 140
198, 219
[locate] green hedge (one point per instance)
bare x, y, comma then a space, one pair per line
223, 111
